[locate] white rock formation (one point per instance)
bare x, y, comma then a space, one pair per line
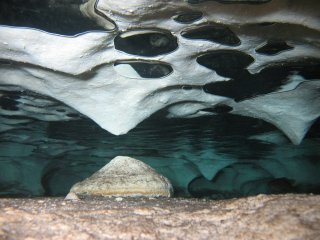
83, 71
124, 176
158, 13
293, 111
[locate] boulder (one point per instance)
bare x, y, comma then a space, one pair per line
124, 176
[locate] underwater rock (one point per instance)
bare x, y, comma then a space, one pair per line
262, 217
124, 176
154, 11
287, 110
145, 62
160, 58
72, 196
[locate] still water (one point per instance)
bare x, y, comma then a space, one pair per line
218, 157
205, 47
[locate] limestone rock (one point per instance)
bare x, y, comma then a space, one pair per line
124, 176
262, 217
149, 61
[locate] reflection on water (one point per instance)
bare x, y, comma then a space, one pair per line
219, 157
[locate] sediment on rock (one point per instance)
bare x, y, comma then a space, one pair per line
261, 217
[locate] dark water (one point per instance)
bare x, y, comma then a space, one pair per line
220, 157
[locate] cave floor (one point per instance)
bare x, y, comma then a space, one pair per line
286, 216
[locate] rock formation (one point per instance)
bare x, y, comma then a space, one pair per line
240, 63
262, 217
124, 176
256, 58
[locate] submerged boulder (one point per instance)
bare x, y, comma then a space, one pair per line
124, 176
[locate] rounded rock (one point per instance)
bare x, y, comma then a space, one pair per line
127, 177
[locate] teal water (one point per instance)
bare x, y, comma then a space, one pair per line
218, 157
221, 156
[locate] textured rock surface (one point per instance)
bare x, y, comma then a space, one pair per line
280, 37
124, 176
255, 58
263, 217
